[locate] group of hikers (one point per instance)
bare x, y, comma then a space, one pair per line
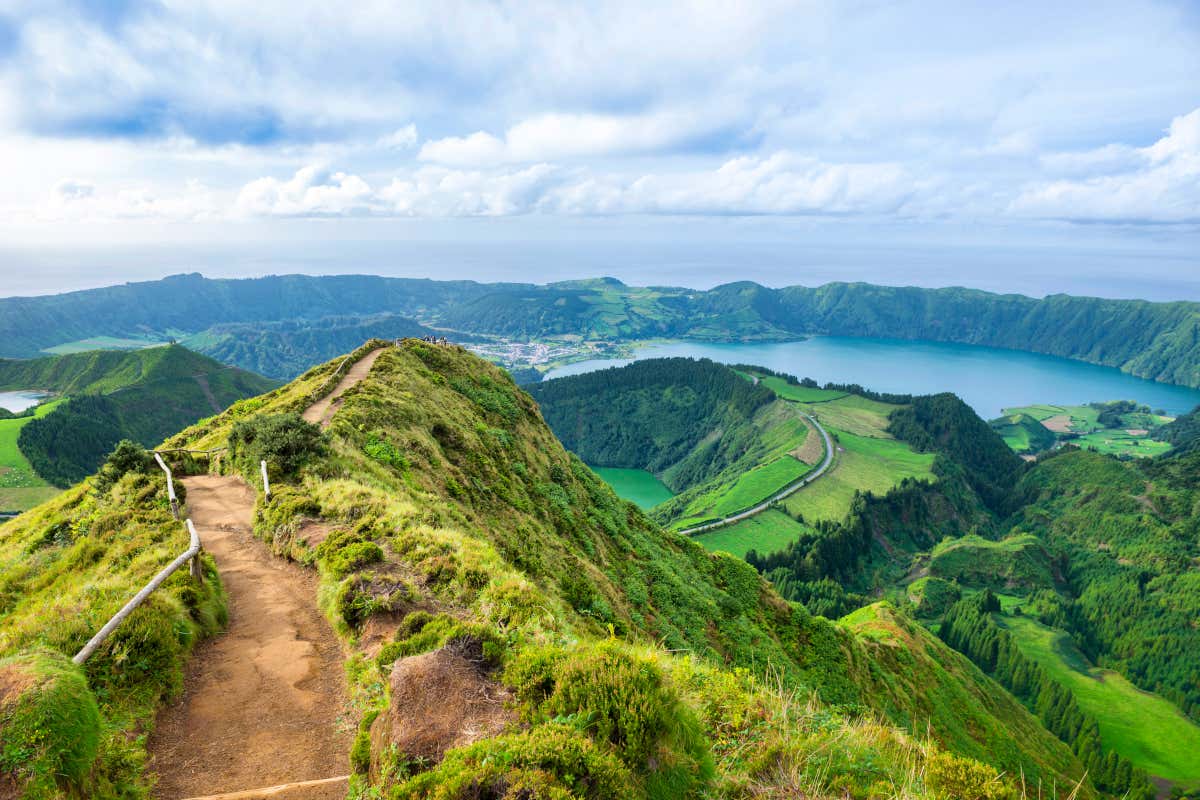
442, 340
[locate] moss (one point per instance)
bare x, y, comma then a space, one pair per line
421, 633
49, 723
553, 762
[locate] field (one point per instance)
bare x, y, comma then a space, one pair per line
751, 488
1080, 425
853, 414
1143, 727
867, 464
799, 394
767, 532
1117, 442
1023, 433
635, 485
101, 343
20, 487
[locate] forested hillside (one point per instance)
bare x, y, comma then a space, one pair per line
719, 439
1152, 340
143, 395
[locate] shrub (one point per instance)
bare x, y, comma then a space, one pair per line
623, 699
546, 763
285, 441
49, 723
126, 457
950, 776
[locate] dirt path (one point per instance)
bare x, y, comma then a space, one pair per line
322, 411
263, 700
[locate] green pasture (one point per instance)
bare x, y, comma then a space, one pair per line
767, 532
20, 486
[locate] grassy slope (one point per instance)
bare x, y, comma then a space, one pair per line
1016, 562
20, 487
1084, 423
636, 485
1143, 727
766, 532
868, 464
484, 515
69, 565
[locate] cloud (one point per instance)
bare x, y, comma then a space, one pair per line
400, 139
557, 136
312, 192
75, 190
1158, 184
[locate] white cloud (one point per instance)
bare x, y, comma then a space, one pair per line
312, 192
400, 139
1162, 185
563, 136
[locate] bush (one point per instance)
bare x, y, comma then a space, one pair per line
949, 776
547, 763
285, 441
49, 723
623, 699
126, 457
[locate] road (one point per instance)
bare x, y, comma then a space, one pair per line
786, 491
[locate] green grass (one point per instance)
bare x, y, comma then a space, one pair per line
102, 343
1016, 562
1023, 433
854, 414
20, 486
1143, 727
1119, 443
799, 394
1083, 418
767, 532
636, 485
867, 465
748, 490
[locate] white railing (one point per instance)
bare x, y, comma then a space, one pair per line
191, 554
266, 482
170, 486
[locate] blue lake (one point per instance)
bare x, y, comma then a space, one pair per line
989, 379
19, 401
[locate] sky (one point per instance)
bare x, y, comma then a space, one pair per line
1033, 147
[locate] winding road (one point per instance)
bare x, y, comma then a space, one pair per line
786, 491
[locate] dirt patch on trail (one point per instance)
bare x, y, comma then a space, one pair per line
321, 412
813, 449
1060, 423
440, 700
264, 701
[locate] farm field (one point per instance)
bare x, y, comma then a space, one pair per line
1143, 727
866, 464
636, 485
20, 487
1119, 442
853, 414
766, 532
1081, 426
799, 394
749, 489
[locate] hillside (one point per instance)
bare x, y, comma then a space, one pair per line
719, 441
1151, 340
142, 395
449, 510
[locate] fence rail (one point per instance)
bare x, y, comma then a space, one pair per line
191, 554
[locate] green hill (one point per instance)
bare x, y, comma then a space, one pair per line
720, 442
143, 395
1024, 433
441, 461
1151, 340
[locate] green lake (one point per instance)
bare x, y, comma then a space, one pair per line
635, 485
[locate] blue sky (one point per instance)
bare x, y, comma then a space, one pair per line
1068, 133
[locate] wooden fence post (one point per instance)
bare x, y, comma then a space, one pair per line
266, 482
170, 486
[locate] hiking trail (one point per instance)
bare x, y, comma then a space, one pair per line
262, 713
